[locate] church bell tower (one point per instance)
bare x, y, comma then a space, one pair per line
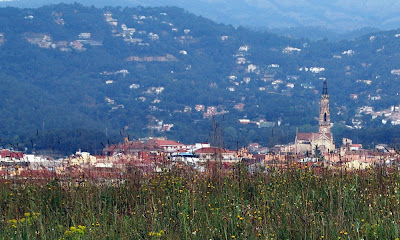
324, 111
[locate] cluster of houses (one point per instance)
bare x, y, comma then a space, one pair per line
45, 40
157, 154
391, 115
146, 155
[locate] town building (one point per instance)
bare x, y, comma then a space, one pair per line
308, 143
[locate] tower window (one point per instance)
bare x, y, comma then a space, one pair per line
325, 117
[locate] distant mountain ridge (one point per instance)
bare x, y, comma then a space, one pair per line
337, 15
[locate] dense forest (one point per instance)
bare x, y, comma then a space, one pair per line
81, 77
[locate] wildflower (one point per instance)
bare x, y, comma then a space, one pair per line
12, 221
27, 214
68, 233
83, 228
233, 237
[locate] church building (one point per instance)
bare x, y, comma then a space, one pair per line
323, 139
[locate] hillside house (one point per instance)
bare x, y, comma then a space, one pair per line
154, 36
251, 68
85, 35
239, 106
291, 50
395, 71
134, 86
167, 127
348, 52
200, 108
244, 121
244, 48
317, 69
241, 60
374, 98
76, 45
247, 80
224, 38
354, 96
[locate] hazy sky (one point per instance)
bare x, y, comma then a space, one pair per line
334, 14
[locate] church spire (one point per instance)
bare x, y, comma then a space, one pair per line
325, 89
324, 111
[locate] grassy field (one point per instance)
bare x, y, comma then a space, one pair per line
294, 203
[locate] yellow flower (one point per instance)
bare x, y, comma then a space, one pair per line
68, 233
12, 221
233, 237
27, 214
83, 228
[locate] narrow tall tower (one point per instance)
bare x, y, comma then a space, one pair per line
324, 111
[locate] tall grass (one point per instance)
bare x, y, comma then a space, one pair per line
294, 203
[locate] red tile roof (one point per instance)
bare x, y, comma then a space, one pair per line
311, 136
305, 136
167, 143
213, 150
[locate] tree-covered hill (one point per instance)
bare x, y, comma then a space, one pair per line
132, 71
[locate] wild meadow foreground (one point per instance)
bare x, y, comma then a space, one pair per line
294, 203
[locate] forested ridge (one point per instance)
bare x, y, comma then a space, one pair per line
82, 77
